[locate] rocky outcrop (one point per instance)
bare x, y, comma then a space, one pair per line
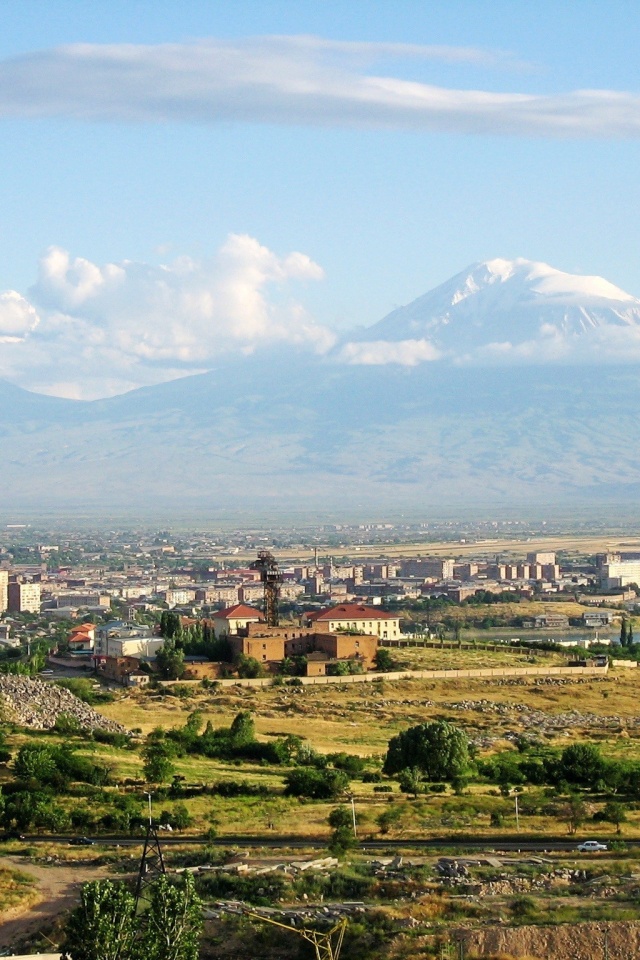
37, 705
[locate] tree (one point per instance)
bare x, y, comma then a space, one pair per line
340, 817
341, 840
623, 633
614, 812
249, 667
173, 921
573, 812
35, 761
582, 764
389, 818
412, 781
157, 755
438, 748
384, 660
170, 661
630, 640
242, 730
102, 927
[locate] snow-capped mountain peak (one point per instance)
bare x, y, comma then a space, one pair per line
508, 302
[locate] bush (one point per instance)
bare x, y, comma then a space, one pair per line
239, 788
316, 784
348, 762
372, 776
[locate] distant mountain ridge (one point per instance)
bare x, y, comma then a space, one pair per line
292, 430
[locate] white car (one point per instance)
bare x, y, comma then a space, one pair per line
591, 846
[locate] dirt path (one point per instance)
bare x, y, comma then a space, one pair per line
58, 887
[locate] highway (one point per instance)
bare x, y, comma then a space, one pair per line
503, 844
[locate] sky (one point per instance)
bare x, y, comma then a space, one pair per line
184, 181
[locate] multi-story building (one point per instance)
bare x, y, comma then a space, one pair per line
440, 568
77, 598
355, 617
619, 573
4, 585
119, 638
270, 645
229, 621
23, 597
541, 558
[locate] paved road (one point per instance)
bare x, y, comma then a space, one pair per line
506, 844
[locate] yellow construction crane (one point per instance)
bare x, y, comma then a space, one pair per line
325, 948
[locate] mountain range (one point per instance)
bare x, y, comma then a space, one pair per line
511, 384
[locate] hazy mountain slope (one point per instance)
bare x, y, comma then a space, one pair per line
293, 430
330, 436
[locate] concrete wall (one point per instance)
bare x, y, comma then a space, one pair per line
429, 675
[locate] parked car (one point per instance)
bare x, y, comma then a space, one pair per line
81, 842
591, 846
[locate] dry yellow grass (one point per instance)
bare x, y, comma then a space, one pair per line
360, 719
17, 889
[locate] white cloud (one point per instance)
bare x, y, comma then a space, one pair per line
605, 344
106, 329
304, 80
17, 316
406, 353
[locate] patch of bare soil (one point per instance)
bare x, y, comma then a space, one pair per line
580, 941
59, 890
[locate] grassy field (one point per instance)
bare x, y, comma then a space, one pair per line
360, 719
572, 545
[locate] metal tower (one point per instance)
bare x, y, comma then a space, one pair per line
325, 946
151, 861
271, 578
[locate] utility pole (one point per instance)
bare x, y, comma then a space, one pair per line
517, 814
353, 812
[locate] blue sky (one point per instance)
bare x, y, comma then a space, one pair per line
383, 193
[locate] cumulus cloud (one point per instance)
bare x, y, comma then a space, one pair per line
304, 80
105, 329
17, 316
406, 353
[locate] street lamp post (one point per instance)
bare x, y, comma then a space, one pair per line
353, 814
149, 796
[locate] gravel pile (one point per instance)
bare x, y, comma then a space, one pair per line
37, 705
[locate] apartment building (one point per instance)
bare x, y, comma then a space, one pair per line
23, 597
440, 568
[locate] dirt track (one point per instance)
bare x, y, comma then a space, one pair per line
58, 887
